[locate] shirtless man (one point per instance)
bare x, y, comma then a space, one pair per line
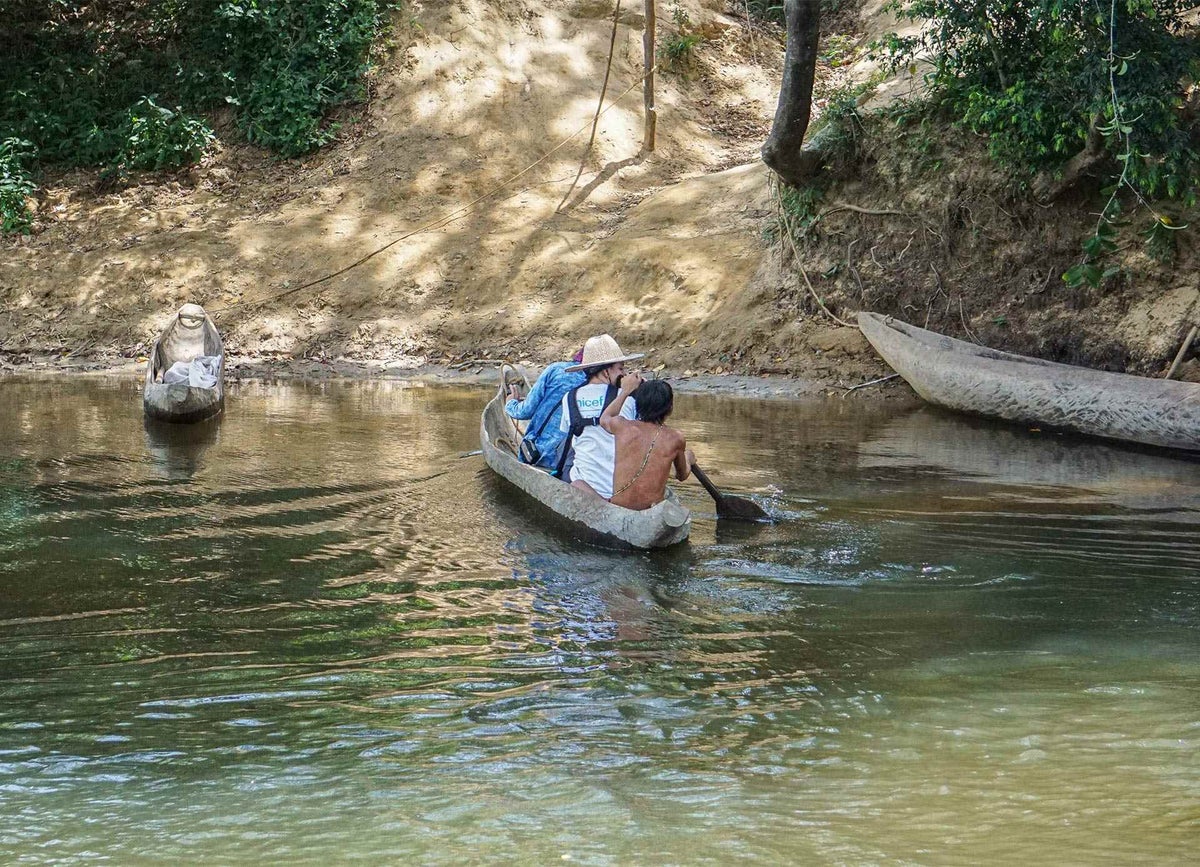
646, 448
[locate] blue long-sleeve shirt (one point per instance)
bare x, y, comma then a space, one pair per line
543, 406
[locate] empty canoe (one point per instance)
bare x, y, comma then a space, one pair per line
1016, 388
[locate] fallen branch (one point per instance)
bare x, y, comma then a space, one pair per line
476, 362
1187, 343
871, 382
83, 347
846, 206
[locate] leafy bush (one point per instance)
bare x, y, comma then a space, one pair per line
291, 62
282, 111
675, 52
73, 68
1036, 76
15, 186
157, 138
839, 131
1047, 80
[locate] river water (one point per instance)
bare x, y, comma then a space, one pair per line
317, 633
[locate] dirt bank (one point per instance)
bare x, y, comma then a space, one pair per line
760, 387
484, 247
659, 249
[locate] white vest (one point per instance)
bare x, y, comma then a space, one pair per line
595, 448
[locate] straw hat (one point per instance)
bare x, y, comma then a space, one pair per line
601, 351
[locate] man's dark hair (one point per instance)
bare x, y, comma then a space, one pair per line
655, 400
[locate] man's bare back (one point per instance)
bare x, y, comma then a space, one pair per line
646, 453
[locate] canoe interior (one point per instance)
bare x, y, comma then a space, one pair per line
589, 517
179, 403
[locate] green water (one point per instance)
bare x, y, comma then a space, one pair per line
314, 633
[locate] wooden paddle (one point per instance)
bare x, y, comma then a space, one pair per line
729, 506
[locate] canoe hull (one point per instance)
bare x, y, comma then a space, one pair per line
179, 403
1016, 388
666, 524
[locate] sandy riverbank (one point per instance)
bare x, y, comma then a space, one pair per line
471, 373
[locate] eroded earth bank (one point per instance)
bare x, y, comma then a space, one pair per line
456, 184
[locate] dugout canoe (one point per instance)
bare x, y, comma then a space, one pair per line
596, 520
974, 379
190, 334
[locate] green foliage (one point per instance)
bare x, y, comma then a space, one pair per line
1095, 249
840, 126
15, 186
839, 49
76, 67
1045, 80
765, 10
1161, 238
675, 52
157, 138
291, 62
924, 134
1034, 76
801, 206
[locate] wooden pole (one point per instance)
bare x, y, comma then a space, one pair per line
1182, 351
648, 85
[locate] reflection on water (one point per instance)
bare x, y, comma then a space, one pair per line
177, 448
313, 633
1053, 465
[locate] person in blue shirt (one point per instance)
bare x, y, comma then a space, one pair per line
542, 407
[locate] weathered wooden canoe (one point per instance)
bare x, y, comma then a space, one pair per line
1016, 388
189, 335
597, 520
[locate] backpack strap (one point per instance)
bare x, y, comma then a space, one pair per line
610, 394
574, 416
578, 423
541, 427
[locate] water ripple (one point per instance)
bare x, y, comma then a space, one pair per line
313, 633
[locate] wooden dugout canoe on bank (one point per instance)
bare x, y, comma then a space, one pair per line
974, 379
594, 519
189, 335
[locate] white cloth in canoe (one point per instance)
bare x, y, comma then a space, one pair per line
200, 372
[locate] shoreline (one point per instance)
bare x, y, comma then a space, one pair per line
761, 386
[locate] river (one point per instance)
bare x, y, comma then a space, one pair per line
321, 632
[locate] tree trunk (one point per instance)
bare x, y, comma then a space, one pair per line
648, 84
784, 149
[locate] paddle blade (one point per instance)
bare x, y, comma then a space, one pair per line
739, 508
